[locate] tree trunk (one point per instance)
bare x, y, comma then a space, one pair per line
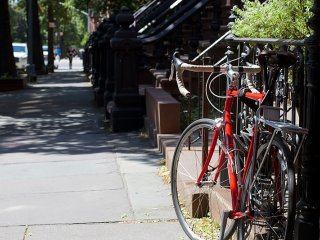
38, 60
50, 37
7, 62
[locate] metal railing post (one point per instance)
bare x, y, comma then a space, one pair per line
307, 222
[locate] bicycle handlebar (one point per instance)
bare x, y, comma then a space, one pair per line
231, 71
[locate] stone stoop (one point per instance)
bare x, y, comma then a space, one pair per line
167, 143
150, 131
221, 199
157, 74
162, 125
162, 114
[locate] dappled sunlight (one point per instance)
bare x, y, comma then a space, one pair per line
52, 117
58, 116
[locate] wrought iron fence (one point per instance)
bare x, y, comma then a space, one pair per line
288, 90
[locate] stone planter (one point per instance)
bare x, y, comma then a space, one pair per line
11, 84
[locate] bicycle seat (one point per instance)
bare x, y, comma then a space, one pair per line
280, 59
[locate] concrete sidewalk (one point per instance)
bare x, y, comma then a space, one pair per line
64, 175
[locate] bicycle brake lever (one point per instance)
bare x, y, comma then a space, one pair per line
176, 60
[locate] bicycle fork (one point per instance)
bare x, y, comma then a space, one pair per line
241, 217
224, 218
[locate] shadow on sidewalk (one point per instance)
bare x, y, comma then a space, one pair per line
57, 115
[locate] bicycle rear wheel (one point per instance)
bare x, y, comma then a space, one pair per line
199, 208
272, 196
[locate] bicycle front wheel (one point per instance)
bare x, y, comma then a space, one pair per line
199, 207
272, 194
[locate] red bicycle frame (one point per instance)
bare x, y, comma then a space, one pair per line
227, 124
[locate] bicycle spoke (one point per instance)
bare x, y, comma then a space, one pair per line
271, 194
199, 207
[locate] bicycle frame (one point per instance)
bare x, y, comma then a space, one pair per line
262, 150
227, 124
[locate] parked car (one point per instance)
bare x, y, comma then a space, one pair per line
45, 54
20, 52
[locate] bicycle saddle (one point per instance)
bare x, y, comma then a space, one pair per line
280, 59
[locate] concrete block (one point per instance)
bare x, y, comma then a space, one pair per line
163, 110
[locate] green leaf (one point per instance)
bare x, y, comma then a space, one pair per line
273, 19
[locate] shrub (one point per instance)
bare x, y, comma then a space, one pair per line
285, 19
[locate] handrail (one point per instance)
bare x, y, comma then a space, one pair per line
142, 9
152, 13
174, 23
163, 19
211, 46
294, 42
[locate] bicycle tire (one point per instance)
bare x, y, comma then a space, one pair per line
198, 222
272, 205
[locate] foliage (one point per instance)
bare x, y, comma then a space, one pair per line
273, 19
187, 105
99, 6
132, 5
69, 22
69, 16
19, 18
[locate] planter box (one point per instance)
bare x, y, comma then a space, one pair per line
12, 84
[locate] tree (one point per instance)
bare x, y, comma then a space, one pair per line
273, 19
70, 22
50, 37
7, 63
38, 60
99, 6
68, 15
19, 17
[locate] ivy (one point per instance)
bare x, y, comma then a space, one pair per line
285, 19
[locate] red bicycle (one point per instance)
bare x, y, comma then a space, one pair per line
244, 181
